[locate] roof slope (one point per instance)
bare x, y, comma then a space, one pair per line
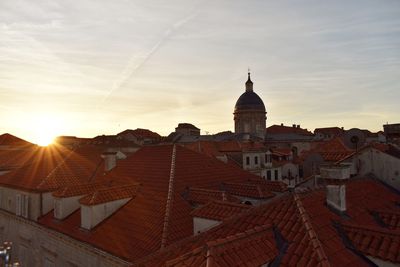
38, 165
11, 140
307, 225
135, 230
282, 129
219, 210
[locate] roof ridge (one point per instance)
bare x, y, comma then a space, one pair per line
169, 198
316, 244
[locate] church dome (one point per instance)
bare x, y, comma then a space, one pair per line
249, 100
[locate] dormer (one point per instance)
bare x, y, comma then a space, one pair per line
102, 203
66, 200
213, 213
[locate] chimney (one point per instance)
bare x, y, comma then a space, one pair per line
281, 124
336, 177
294, 125
298, 125
110, 160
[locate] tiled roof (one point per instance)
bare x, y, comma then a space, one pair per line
219, 210
332, 150
306, 225
187, 126
329, 130
108, 194
218, 148
78, 168
135, 230
275, 186
257, 191
78, 190
281, 129
11, 140
254, 247
13, 158
200, 196
142, 133
390, 219
38, 165
380, 244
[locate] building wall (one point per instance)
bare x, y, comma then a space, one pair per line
63, 207
252, 162
264, 174
35, 245
93, 215
253, 122
8, 202
382, 165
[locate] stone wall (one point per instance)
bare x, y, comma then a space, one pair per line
36, 245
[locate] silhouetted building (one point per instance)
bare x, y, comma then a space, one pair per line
250, 115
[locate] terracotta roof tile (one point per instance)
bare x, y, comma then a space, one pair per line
275, 186
380, 244
11, 140
135, 230
390, 218
253, 247
281, 129
77, 168
142, 133
38, 165
78, 190
329, 130
112, 193
258, 191
306, 223
201, 196
332, 150
219, 210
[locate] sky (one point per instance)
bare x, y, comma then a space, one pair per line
93, 67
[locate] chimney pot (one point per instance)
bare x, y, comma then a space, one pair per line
110, 160
336, 176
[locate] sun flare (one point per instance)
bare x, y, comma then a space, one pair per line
46, 128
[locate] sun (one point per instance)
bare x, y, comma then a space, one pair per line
45, 139
46, 128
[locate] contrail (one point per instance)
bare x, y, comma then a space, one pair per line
133, 65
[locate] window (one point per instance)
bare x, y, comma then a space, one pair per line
22, 205
276, 174
256, 160
247, 160
269, 175
18, 205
